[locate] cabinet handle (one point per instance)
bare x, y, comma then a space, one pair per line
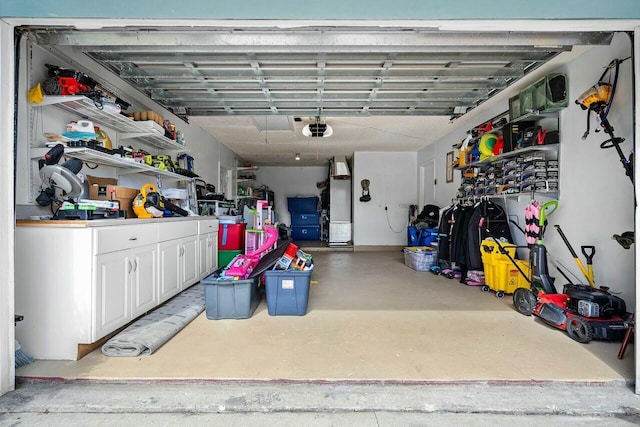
135, 265
133, 238
130, 267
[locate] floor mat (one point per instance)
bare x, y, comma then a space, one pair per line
153, 330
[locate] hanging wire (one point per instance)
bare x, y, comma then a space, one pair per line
266, 129
391, 228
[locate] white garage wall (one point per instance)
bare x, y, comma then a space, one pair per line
207, 151
290, 181
393, 184
596, 198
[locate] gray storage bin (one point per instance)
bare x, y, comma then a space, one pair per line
230, 299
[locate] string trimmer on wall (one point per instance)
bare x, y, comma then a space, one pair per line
598, 98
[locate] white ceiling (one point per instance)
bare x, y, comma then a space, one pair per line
379, 88
350, 134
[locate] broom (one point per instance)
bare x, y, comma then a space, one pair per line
21, 357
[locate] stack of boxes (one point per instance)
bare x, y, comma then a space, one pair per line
305, 218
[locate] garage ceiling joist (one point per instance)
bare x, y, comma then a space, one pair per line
318, 71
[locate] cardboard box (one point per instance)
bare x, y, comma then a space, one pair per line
107, 189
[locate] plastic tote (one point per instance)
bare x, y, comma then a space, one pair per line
420, 258
287, 292
230, 299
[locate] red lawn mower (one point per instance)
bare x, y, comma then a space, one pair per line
583, 311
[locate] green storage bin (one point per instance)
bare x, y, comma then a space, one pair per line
550, 93
225, 257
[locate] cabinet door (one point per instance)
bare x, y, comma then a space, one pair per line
144, 279
203, 254
169, 279
189, 261
212, 260
112, 280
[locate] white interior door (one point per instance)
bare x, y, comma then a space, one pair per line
427, 184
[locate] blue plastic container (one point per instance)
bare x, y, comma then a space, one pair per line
305, 218
306, 232
287, 292
302, 204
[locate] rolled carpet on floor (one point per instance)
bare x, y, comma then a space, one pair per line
150, 332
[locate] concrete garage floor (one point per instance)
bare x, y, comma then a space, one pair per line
381, 345
370, 318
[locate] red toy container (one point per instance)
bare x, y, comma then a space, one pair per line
231, 237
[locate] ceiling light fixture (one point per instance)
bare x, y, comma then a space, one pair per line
317, 129
297, 156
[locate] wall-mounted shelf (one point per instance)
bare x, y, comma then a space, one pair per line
511, 154
87, 108
244, 179
125, 165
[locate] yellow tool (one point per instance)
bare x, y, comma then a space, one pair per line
596, 94
103, 138
588, 272
35, 94
145, 205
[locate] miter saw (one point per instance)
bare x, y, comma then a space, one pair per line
62, 188
60, 181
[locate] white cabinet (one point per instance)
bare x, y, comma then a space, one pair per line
125, 286
189, 262
113, 291
124, 274
144, 281
208, 247
94, 277
178, 257
170, 277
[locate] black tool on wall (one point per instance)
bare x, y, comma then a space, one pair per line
365, 190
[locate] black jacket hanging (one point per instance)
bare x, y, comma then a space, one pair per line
486, 215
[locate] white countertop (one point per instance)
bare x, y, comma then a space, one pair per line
104, 222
